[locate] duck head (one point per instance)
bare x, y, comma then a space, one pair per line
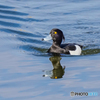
56, 35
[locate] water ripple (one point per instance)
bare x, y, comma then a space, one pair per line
28, 18
19, 32
6, 7
9, 24
13, 12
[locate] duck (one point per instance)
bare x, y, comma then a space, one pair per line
57, 48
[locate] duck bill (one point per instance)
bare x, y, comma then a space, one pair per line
47, 38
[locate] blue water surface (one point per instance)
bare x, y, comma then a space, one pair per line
27, 72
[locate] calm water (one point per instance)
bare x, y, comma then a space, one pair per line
27, 72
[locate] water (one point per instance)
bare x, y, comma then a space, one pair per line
27, 72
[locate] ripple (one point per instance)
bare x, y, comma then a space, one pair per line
6, 7
28, 18
13, 12
90, 51
29, 40
19, 32
13, 18
32, 49
9, 24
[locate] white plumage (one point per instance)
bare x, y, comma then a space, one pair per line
77, 51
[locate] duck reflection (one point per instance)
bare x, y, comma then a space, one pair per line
58, 70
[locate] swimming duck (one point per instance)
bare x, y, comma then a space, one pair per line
69, 48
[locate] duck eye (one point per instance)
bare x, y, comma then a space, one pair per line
55, 32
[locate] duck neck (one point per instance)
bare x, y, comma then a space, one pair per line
56, 44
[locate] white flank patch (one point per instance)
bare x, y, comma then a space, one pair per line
77, 51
